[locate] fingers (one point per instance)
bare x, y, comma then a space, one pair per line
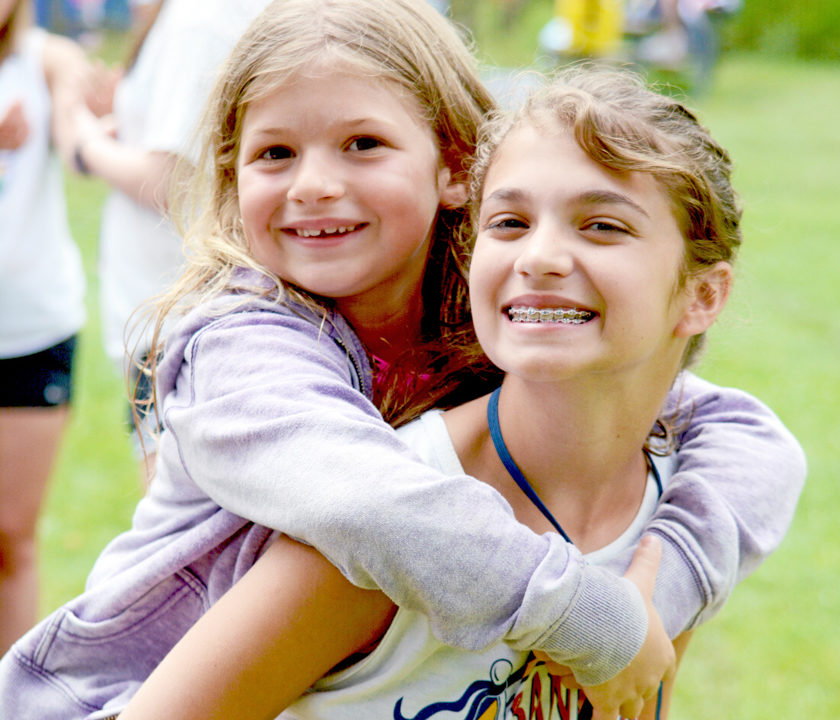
627, 692
645, 564
563, 672
630, 709
604, 713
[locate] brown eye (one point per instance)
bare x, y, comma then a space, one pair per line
277, 152
364, 143
603, 226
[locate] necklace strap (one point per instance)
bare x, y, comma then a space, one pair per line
512, 467
525, 486
517, 475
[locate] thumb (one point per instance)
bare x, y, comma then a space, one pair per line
644, 565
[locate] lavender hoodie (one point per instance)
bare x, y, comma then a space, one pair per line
268, 424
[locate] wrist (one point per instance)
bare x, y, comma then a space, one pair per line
79, 163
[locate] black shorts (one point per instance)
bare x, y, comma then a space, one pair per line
43, 379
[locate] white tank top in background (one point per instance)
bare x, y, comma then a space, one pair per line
41, 278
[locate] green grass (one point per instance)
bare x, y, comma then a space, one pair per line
774, 651
96, 483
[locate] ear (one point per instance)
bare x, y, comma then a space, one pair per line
454, 191
707, 294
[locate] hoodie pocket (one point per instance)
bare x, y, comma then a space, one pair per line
100, 657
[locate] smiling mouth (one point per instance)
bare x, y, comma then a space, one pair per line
566, 316
326, 232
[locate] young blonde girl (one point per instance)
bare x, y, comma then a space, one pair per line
336, 149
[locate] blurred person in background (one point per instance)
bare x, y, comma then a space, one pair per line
678, 35
41, 292
583, 29
134, 148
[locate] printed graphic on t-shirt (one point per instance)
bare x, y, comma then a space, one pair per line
508, 694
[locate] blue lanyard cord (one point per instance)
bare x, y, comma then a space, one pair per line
525, 486
658, 701
512, 467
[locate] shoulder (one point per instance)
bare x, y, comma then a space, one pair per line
29, 47
243, 331
428, 437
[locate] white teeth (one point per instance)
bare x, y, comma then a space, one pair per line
326, 231
572, 316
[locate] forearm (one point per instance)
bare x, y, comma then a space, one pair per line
142, 175
71, 79
285, 624
728, 506
66, 67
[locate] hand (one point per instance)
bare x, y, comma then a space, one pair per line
83, 129
13, 127
625, 694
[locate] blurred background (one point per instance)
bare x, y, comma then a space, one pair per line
765, 76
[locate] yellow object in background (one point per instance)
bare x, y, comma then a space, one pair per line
590, 27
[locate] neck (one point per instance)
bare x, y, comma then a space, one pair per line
589, 434
578, 443
387, 326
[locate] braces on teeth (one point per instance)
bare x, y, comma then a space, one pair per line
549, 315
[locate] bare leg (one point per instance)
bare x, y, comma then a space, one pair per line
29, 441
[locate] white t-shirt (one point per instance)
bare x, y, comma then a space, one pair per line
42, 283
157, 107
411, 674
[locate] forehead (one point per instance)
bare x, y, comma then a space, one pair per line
334, 87
536, 162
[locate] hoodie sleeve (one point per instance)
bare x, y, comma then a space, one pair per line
266, 422
739, 476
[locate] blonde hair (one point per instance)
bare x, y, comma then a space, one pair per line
402, 41
624, 125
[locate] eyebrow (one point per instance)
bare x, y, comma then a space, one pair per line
588, 197
506, 195
608, 197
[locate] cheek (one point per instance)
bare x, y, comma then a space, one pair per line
245, 195
257, 205
483, 281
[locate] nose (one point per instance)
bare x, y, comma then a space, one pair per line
545, 251
316, 177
